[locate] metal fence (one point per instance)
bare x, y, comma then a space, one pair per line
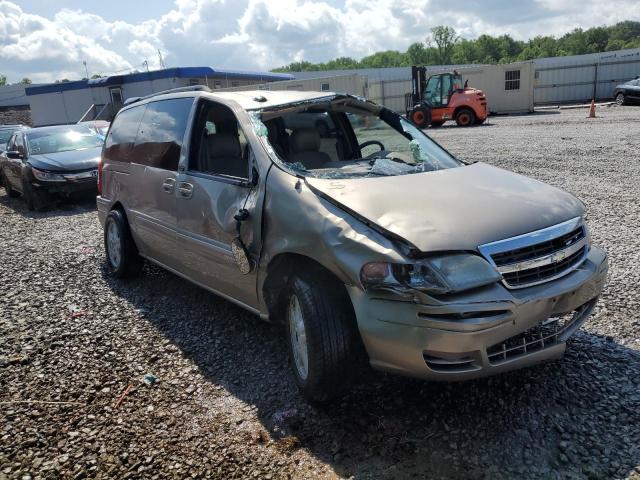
582, 82
390, 93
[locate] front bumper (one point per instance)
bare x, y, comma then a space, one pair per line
472, 335
66, 188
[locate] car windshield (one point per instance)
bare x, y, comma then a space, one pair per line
62, 140
348, 138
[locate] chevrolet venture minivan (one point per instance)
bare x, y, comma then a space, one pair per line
365, 237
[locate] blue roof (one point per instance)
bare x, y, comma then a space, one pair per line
178, 72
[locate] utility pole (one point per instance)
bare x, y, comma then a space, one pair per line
160, 58
86, 70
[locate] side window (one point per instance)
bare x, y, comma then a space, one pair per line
122, 135
446, 88
161, 132
433, 91
219, 146
512, 80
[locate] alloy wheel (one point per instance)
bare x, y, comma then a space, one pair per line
298, 337
114, 245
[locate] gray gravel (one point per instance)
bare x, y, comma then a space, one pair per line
223, 404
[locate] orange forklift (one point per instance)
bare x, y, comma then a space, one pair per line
443, 97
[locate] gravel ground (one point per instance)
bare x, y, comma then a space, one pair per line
223, 404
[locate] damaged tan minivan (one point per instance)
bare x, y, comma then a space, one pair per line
347, 223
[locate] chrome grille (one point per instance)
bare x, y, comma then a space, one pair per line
539, 256
543, 335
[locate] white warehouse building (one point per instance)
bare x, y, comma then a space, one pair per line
101, 98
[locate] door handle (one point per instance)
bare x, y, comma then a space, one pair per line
168, 185
185, 189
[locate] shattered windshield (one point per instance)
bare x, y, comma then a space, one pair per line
347, 138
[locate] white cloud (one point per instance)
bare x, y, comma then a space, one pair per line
262, 34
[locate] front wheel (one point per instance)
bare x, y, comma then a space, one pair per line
620, 100
123, 259
34, 198
465, 117
7, 186
322, 336
421, 116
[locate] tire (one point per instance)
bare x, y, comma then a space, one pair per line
465, 117
436, 124
421, 116
620, 99
35, 200
7, 187
123, 259
323, 340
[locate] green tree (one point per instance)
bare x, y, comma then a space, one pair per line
465, 51
489, 50
341, 63
444, 47
388, 58
445, 39
3, 80
418, 54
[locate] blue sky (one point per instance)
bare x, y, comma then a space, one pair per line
47, 40
110, 10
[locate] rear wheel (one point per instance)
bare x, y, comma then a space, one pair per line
421, 116
322, 336
620, 100
465, 117
123, 259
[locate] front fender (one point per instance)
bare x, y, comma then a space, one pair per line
297, 221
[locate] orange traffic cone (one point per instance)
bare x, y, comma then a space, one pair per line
592, 109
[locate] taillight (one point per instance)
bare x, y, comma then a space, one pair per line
100, 177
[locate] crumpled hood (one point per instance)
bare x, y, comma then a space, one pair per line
453, 209
70, 161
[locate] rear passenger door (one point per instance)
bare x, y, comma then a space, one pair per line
213, 185
154, 170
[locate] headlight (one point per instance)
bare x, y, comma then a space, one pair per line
438, 275
46, 176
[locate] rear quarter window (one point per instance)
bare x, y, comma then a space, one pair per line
122, 136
